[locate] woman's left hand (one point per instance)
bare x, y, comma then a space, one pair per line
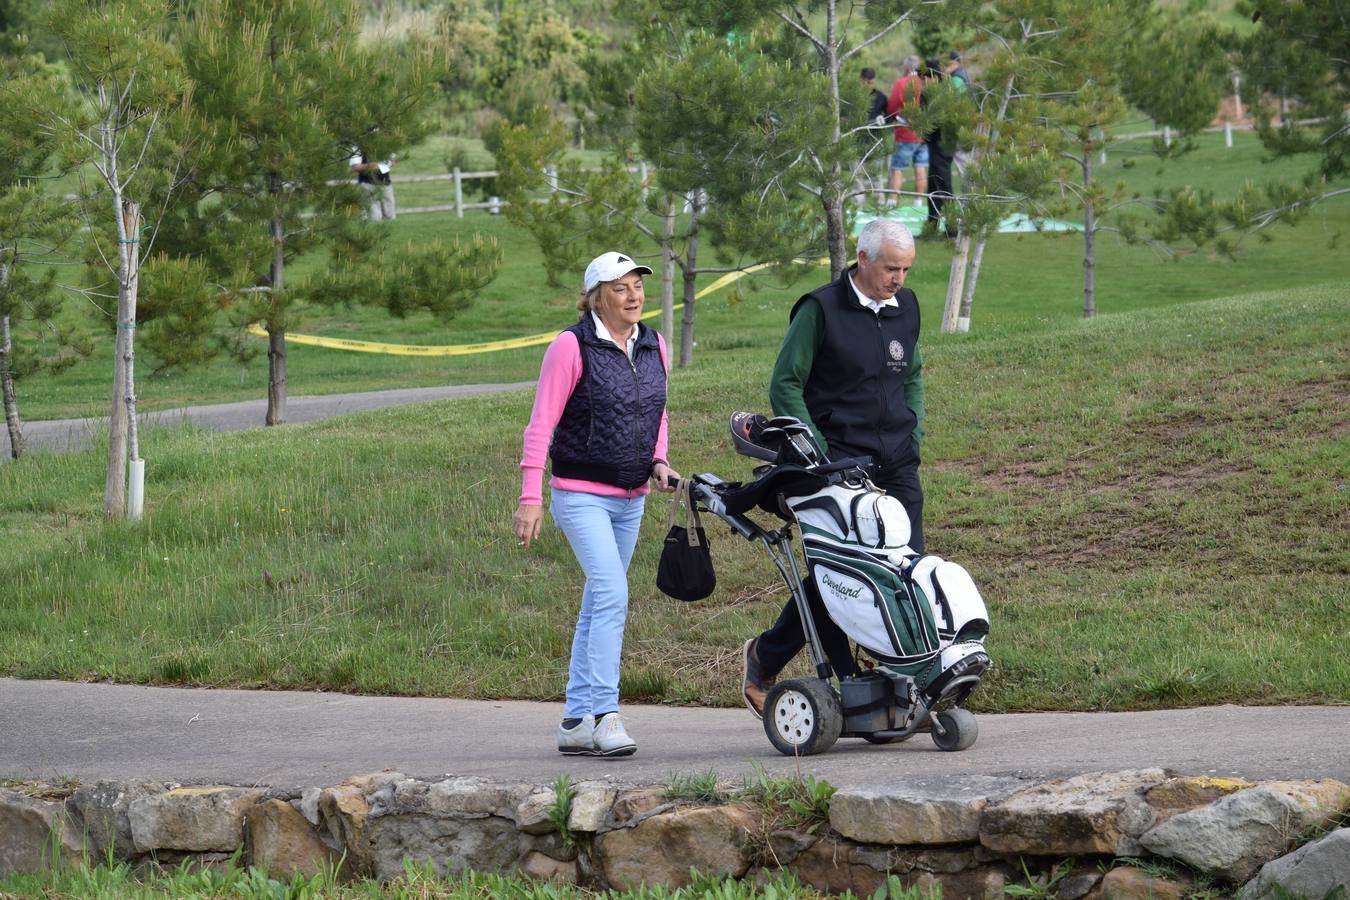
664, 478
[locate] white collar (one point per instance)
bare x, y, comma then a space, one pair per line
603, 333
874, 305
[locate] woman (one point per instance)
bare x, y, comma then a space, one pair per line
600, 417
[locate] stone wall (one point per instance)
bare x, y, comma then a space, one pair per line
974, 836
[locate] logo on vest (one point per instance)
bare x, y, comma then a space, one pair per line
897, 351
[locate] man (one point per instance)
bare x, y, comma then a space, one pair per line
876, 115
940, 152
957, 72
876, 100
376, 184
910, 150
850, 369
960, 81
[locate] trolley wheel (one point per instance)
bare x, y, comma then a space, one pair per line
803, 716
958, 729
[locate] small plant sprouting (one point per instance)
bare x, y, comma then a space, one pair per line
806, 800
1042, 886
561, 809
702, 788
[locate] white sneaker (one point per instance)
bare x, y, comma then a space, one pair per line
611, 739
578, 741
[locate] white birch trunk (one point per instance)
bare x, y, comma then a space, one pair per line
136, 466
956, 282
12, 420
115, 482
668, 274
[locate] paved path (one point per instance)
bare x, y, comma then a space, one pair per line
75, 434
295, 739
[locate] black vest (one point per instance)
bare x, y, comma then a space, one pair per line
608, 428
856, 390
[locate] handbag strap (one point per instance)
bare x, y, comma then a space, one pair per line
683, 496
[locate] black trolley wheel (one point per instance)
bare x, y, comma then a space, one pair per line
803, 716
955, 729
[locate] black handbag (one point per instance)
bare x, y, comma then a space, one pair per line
685, 571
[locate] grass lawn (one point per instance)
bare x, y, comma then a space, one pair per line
1154, 503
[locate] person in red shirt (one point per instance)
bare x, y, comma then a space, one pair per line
910, 149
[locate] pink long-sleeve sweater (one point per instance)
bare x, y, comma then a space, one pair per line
558, 377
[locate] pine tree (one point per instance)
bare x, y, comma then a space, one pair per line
286, 91
34, 228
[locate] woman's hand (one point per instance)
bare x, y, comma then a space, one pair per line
526, 522
664, 478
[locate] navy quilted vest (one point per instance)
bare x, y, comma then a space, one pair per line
608, 428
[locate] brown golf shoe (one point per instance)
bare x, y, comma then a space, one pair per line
755, 687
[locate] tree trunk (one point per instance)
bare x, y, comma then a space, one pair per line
136, 467
1089, 240
690, 272
834, 231
956, 282
668, 272
115, 481
276, 334
7, 384
132, 218
973, 278
833, 190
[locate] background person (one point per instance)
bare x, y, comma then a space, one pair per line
940, 152
376, 184
600, 417
850, 368
876, 115
910, 150
960, 82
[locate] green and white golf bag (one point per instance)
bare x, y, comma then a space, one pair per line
919, 616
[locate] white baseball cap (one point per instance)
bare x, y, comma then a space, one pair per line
611, 266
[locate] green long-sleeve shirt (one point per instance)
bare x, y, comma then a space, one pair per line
796, 357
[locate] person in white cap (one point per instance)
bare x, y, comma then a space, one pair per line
600, 418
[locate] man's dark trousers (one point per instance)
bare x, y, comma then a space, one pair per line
775, 648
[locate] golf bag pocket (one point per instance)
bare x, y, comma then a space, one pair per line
880, 520
958, 609
873, 605
854, 515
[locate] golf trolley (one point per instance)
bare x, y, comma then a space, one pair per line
919, 620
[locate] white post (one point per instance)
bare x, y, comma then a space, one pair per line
642, 178
1227, 133
1237, 96
135, 489
494, 205
1167, 135
459, 195
551, 178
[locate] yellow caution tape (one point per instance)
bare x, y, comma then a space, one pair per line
313, 340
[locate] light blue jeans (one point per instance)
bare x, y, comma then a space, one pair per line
602, 532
